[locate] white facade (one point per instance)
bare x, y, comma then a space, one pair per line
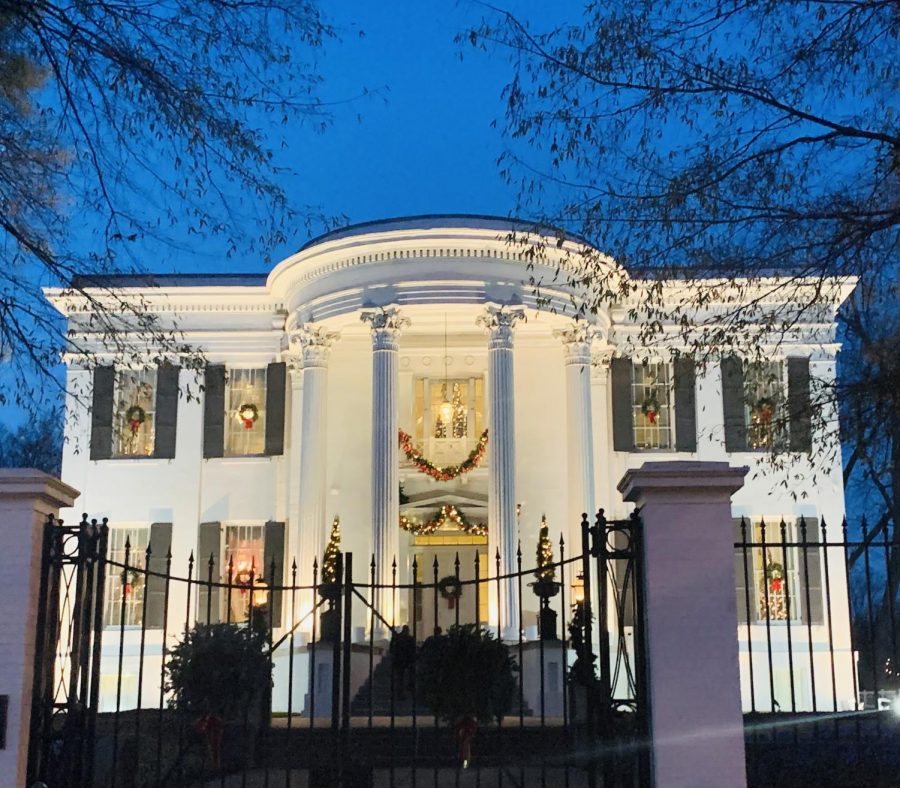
371, 322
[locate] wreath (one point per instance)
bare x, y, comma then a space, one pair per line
450, 589
650, 407
131, 579
244, 579
248, 413
775, 576
764, 410
135, 416
448, 472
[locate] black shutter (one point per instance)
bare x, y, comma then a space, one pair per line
743, 572
809, 570
102, 413
155, 591
166, 410
273, 550
733, 404
214, 411
799, 405
623, 412
276, 380
685, 405
625, 598
209, 543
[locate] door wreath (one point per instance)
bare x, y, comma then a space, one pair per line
450, 589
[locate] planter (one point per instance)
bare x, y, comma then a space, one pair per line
545, 590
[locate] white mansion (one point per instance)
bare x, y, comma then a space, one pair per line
403, 376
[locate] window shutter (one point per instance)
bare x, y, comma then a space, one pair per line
166, 410
685, 405
276, 380
743, 572
273, 551
102, 413
624, 597
799, 405
214, 411
155, 591
209, 543
623, 413
809, 569
733, 404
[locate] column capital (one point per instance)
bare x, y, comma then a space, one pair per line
500, 322
600, 363
309, 346
576, 341
386, 324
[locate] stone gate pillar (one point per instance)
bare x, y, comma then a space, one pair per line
690, 617
27, 498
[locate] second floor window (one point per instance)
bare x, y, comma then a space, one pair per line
245, 412
651, 392
764, 395
134, 413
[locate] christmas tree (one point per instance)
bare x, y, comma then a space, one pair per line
332, 551
545, 571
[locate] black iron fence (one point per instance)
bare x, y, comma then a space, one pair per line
818, 645
153, 676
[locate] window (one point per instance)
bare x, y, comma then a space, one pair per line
651, 397
775, 575
465, 420
134, 413
245, 412
134, 586
244, 551
764, 405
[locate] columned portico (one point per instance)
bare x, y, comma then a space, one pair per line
386, 325
579, 426
500, 321
313, 344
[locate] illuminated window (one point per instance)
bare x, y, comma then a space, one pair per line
775, 575
130, 585
244, 551
764, 398
135, 408
245, 412
449, 410
651, 398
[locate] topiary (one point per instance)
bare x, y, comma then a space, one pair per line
217, 673
467, 678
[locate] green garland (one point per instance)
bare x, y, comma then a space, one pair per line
442, 515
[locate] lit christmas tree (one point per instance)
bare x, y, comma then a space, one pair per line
545, 571
332, 551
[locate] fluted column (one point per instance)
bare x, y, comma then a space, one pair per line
386, 326
502, 458
313, 344
576, 342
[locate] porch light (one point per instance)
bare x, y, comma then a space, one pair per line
578, 589
445, 411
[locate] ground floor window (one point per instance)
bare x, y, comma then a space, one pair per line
128, 585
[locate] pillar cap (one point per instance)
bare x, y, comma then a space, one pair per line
682, 475
31, 483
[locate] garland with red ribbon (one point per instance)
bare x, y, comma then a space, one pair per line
447, 472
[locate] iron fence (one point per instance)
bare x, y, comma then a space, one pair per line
348, 696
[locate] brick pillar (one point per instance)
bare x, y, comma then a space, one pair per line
694, 692
27, 497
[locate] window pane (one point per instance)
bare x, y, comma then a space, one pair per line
133, 416
244, 549
651, 403
134, 586
245, 412
764, 404
450, 421
775, 579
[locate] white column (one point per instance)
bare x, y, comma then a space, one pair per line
579, 429
696, 723
313, 343
386, 326
295, 370
502, 459
605, 494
